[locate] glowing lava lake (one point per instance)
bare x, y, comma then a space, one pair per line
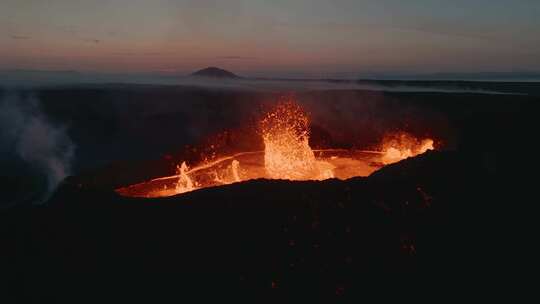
286, 155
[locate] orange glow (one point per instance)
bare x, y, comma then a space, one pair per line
402, 145
287, 155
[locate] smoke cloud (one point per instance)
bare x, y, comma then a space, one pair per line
29, 139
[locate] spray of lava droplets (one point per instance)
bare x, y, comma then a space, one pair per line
287, 155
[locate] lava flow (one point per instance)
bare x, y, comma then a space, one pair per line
287, 155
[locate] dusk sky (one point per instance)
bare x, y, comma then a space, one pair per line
278, 37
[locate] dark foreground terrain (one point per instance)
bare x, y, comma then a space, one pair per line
263, 238
443, 214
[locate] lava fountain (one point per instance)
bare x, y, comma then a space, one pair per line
401, 145
287, 155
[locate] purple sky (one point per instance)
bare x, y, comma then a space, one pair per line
278, 37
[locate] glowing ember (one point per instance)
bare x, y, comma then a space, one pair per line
286, 155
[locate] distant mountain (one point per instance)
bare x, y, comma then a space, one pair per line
213, 72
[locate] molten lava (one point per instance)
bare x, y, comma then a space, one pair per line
286, 155
402, 145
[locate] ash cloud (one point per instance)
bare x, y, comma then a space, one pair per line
41, 150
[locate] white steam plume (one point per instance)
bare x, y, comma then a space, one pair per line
30, 136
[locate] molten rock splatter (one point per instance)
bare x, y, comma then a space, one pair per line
402, 145
286, 155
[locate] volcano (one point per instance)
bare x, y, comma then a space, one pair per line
213, 72
254, 223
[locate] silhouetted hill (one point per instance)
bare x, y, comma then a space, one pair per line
213, 72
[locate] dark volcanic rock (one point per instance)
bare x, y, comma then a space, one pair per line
262, 236
213, 72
